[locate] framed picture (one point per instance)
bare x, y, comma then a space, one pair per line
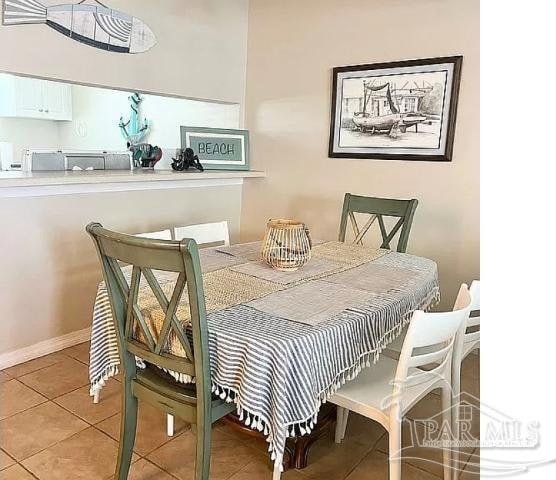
218, 148
399, 110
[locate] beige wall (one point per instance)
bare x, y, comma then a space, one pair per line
50, 270
292, 48
201, 50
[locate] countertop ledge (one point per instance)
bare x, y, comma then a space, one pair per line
11, 179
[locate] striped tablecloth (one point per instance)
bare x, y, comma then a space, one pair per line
282, 343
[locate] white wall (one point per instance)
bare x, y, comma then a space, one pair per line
97, 112
96, 116
28, 133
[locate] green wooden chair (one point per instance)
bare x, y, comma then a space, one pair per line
194, 402
378, 208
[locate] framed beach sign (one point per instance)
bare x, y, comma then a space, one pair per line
398, 110
218, 148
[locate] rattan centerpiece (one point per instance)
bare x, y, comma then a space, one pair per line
286, 245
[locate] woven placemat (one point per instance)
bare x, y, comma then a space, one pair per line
223, 288
348, 254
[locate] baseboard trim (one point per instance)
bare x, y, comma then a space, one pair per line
15, 357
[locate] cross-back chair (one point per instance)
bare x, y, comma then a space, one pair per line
386, 391
193, 403
378, 208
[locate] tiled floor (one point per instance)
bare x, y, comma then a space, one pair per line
51, 430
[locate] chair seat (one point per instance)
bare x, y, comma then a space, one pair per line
370, 392
164, 384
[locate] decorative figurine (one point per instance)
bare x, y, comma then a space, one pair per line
145, 155
186, 158
132, 131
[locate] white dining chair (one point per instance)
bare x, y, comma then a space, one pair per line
471, 341
205, 233
386, 391
472, 337
160, 235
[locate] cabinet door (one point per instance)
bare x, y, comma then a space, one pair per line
29, 97
57, 101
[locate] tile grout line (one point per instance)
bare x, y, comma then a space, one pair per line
365, 455
38, 369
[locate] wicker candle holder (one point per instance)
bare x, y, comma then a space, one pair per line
286, 245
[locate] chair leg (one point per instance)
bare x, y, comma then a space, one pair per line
341, 424
170, 425
96, 397
202, 455
394, 451
456, 388
447, 420
344, 423
128, 428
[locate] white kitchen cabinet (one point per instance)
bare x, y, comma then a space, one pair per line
25, 97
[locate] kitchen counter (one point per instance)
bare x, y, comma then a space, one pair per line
32, 184
25, 179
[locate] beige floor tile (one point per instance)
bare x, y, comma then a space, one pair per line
228, 456
255, 442
58, 379
39, 427
145, 470
16, 397
87, 455
5, 460
81, 403
151, 428
4, 377
79, 352
471, 375
34, 365
330, 460
16, 472
260, 468
472, 468
375, 467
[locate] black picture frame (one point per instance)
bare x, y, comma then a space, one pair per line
442, 127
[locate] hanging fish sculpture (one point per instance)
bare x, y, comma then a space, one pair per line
89, 22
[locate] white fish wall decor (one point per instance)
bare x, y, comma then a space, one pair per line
88, 21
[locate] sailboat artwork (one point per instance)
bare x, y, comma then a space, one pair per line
89, 22
403, 110
392, 121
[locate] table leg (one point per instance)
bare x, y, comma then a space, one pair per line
297, 448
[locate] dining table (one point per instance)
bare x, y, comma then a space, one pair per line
282, 343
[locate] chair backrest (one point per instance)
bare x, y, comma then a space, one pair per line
430, 340
378, 208
473, 323
205, 233
160, 235
145, 255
